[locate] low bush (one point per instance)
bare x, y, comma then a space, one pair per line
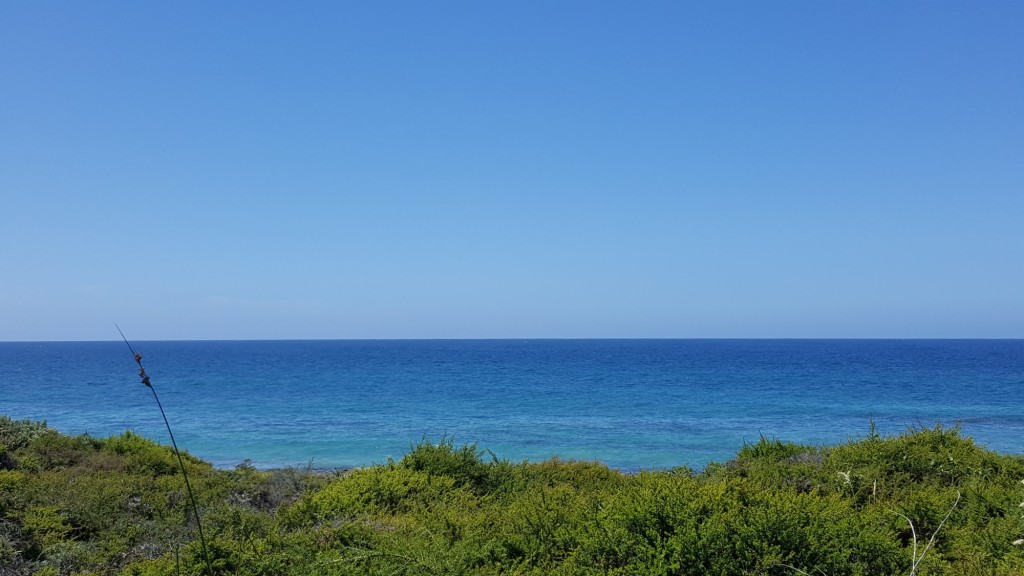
16, 434
463, 464
143, 456
925, 502
381, 490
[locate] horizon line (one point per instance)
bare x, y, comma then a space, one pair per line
514, 338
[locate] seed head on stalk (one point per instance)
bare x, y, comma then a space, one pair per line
188, 486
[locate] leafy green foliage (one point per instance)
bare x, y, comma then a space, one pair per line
15, 434
381, 490
143, 456
80, 505
463, 464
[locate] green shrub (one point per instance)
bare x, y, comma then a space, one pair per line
145, 456
76, 505
643, 525
464, 465
547, 525
770, 450
581, 475
814, 534
51, 450
269, 491
379, 490
781, 465
15, 434
935, 457
45, 526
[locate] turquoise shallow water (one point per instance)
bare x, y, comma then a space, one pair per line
633, 404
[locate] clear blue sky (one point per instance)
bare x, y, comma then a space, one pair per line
197, 170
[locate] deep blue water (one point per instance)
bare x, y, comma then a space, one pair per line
632, 404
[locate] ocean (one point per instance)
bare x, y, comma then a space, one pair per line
632, 404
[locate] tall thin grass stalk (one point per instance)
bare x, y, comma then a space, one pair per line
915, 559
181, 462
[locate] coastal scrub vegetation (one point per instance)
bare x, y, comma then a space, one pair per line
926, 502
